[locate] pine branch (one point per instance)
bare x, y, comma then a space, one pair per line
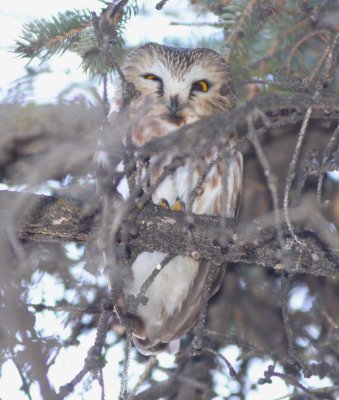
80, 31
43, 38
238, 24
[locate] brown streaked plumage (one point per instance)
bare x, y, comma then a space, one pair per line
176, 87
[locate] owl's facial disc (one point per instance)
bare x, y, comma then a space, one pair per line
179, 85
172, 102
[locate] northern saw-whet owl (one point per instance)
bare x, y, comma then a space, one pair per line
175, 87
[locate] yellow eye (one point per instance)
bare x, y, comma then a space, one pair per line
200, 86
151, 77
203, 85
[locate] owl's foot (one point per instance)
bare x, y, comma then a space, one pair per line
164, 204
178, 206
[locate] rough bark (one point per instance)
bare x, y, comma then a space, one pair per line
48, 219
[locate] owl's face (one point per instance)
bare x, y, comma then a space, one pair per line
183, 85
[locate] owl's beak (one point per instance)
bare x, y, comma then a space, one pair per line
173, 109
174, 105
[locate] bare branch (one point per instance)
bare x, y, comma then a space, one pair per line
59, 220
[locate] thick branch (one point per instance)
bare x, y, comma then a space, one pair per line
46, 219
211, 131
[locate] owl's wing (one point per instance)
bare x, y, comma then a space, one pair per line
184, 317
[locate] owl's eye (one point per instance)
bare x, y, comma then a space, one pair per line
200, 86
151, 77
159, 86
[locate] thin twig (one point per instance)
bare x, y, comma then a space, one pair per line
151, 363
231, 370
292, 172
292, 351
133, 303
320, 32
200, 325
270, 177
161, 4
127, 357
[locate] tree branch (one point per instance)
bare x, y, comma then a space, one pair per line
48, 219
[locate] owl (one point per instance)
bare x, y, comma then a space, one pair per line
176, 87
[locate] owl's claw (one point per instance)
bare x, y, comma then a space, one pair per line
164, 204
178, 206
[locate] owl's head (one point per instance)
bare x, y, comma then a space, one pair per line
183, 83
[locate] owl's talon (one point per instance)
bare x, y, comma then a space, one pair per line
164, 204
178, 206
